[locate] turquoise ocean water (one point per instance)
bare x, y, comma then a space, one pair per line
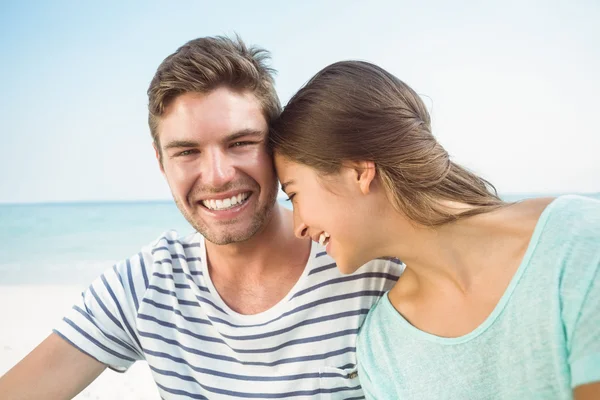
75, 242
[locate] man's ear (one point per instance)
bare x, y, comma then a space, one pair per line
158, 155
364, 173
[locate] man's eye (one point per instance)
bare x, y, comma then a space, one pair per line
186, 152
239, 144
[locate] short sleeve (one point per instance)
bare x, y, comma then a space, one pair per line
580, 291
102, 323
584, 355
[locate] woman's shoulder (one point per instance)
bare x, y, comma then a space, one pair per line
568, 213
573, 215
565, 226
569, 231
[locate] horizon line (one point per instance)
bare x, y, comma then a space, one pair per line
170, 200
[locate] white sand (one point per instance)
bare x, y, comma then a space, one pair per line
27, 315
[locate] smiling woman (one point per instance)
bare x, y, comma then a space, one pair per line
498, 300
321, 206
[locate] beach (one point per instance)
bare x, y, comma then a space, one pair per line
29, 312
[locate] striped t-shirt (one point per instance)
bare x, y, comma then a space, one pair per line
160, 306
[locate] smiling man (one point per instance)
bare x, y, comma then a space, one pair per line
212, 152
240, 309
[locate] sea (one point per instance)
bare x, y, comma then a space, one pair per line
72, 243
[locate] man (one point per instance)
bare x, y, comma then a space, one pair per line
241, 309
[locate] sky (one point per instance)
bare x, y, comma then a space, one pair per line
512, 86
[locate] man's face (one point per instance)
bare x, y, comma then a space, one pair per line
214, 157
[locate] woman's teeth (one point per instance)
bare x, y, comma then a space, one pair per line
225, 204
324, 238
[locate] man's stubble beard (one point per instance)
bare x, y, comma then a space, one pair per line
221, 236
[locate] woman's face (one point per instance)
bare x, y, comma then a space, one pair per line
332, 210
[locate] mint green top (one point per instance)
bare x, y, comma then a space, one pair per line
541, 340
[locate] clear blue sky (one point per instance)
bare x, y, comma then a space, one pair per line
513, 88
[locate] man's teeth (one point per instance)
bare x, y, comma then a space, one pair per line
224, 204
323, 238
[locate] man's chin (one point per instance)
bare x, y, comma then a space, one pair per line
230, 233
223, 239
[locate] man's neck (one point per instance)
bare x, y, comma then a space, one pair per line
266, 251
253, 276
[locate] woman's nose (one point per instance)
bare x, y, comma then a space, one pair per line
301, 230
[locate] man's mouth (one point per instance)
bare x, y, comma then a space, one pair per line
226, 203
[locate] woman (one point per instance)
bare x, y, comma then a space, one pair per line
498, 300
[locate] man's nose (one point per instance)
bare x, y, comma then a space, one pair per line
218, 170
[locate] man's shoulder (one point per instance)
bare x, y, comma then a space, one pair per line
388, 268
391, 263
168, 249
171, 244
162, 257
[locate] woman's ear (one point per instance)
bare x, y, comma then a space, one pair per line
364, 172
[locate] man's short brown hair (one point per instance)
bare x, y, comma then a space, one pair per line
205, 64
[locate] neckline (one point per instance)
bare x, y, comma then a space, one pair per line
261, 317
498, 309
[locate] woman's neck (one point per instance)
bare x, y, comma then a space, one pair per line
457, 254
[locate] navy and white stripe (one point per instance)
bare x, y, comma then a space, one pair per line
160, 306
